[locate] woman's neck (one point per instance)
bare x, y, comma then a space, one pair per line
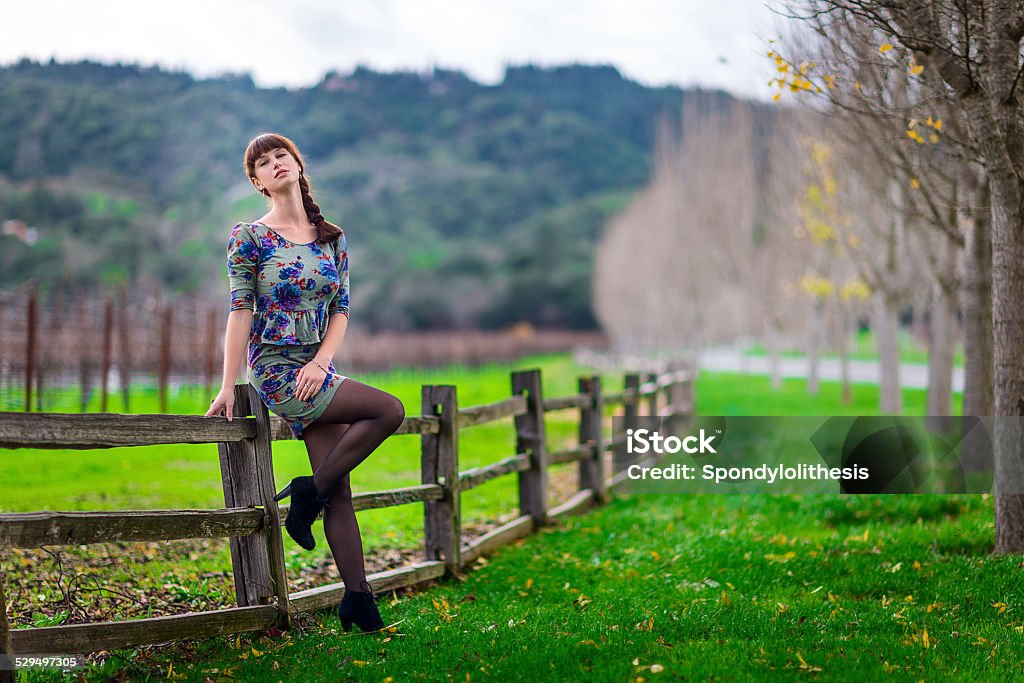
288, 212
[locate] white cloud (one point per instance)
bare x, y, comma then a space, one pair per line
682, 42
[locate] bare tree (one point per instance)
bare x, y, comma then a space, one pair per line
970, 50
687, 254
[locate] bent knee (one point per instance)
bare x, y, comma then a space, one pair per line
395, 412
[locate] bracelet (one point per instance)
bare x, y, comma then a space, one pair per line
322, 367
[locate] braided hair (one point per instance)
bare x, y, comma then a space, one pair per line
263, 143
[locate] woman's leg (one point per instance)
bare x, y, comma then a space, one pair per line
340, 524
372, 415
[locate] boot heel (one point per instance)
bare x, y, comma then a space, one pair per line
284, 493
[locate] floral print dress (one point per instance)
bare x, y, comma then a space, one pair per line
293, 290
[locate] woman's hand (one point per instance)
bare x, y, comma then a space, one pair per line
309, 380
225, 402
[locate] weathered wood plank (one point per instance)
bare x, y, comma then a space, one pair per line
565, 402
490, 412
369, 500
653, 396
630, 410
578, 502
614, 398
648, 388
330, 595
269, 537
533, 482
416, 424
114, 430
36, 529
570, 454
591, 433
83, 638
442, 519
475, 476
487, 543
249, 556
615, 444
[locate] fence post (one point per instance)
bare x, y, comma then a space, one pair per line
442, 519
630, 410
166, 328
592, 434
250, 555
677, 397
652, 398
5, 638
30, 350
107, 344
530, 439
266, 488
124, 349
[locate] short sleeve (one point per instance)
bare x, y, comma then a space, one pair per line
339, 304
243, 264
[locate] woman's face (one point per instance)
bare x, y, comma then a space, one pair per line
275, 170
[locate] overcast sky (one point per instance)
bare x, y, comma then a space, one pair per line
713, 43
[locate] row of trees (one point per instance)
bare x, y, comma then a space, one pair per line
896, 181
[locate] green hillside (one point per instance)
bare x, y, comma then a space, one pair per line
464, 204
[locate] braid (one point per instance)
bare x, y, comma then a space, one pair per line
325, 230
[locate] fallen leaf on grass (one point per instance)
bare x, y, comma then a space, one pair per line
805, 666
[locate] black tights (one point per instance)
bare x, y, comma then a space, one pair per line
358, 420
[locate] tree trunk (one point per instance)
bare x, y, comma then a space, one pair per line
772, 339
887, 327
977, 305
842, 335
976, 297
814, 349
940, 351
1008, 314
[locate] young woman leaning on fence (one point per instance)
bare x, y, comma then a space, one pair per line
289, 282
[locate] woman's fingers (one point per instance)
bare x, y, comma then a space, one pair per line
221, 407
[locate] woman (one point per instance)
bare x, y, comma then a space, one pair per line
289, 281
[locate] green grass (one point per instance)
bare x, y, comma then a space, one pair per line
672, 587
687, 587
865, 347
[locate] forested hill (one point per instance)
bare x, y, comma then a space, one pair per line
464, 204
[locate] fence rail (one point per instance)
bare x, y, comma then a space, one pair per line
252, 520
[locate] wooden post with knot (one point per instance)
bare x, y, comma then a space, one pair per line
442, 519
247, 474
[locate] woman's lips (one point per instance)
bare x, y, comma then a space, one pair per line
280, 173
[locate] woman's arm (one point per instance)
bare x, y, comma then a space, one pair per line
235, 342
333, 338
318, 366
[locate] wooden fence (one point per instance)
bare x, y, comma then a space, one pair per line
252, 520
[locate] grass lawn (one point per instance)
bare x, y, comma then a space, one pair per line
669, 588
649, 587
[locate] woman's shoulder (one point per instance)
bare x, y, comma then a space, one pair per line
243, 229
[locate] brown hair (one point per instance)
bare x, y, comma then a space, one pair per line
263, 143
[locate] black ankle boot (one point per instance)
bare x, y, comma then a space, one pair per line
361, 608
305, 507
